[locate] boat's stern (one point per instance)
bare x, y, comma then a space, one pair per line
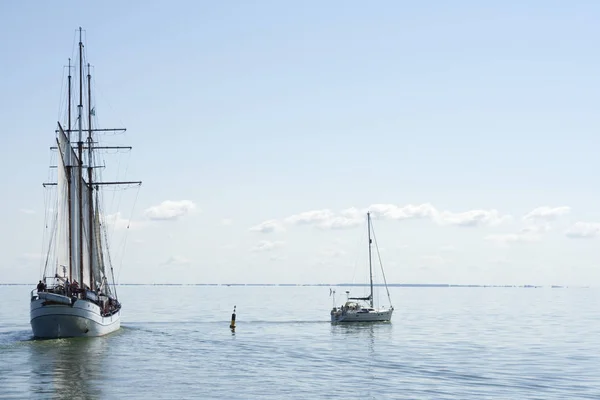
336, 314
56, 316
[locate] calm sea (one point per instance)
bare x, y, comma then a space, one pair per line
443, 343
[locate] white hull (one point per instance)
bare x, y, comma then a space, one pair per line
339, 316
82, 319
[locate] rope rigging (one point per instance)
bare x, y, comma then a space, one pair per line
381, 266
53, 200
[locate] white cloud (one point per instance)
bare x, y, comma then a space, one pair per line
352, 217
426, 210
115, 220
170, 210
353, 213
544, 214
340, 223
327, 219
410, 211
309, 217
227, 221
27, 211
581, 230
537, 223
471, 218
269, 226
527, 234
265, 245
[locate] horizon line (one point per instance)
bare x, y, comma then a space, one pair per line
438, 285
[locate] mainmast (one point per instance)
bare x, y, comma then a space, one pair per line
69, 180
370, 263
69, 104
79, 153
91, 187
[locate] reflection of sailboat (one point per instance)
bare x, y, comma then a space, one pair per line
78, 299
368, 343
361, 309
64, 367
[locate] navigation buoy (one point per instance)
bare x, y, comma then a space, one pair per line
232, 326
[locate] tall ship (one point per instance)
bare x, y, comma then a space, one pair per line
76, 296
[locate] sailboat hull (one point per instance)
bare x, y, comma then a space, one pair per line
339, 316
51, 320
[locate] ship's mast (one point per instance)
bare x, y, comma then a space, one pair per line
69, 104
69, 179
79, 153
370, 263
91, 187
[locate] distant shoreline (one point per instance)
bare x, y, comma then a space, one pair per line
415, 285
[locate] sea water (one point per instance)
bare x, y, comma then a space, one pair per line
442, 343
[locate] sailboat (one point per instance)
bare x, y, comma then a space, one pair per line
362, 309
75, 296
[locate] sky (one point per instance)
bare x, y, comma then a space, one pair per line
263, 131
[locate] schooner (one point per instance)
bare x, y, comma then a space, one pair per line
77, 296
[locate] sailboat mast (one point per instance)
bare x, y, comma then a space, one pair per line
68, 168
370, 262
69, 104
79, 153
91, 187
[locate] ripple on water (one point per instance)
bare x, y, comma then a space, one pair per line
444, 343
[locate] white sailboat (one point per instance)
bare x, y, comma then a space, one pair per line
362, 309
75, 296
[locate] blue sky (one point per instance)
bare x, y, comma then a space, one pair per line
481, 116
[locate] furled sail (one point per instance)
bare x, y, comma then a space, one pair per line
63, 249
69, 182
99, 268
87, 233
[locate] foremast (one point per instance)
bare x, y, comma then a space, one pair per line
80, 159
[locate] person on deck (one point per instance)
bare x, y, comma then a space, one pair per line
41, 287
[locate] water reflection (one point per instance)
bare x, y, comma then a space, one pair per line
362, 335
369, 330
366, 345
68, 368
